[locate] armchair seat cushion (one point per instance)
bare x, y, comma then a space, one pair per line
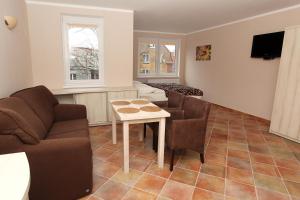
63, 127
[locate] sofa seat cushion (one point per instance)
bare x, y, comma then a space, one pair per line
62, 127
74, 134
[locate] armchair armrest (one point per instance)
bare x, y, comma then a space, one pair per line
175, 113
161, 104
57, 163
187, 133
65, 112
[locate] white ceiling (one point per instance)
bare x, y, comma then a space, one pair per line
184, 16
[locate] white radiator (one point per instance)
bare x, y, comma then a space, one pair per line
285, 120
164, 80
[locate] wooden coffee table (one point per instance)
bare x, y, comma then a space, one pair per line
136, 111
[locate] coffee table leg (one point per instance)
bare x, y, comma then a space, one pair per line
126, 146
114, 128
161, 142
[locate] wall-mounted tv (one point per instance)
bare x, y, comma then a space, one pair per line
267, 46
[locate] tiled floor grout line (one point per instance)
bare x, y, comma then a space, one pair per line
216, 123
281, 177
143, 172
188, 169
118, 150
252, 171
159, 194
226, 158
131, 187
205, 147
166, 179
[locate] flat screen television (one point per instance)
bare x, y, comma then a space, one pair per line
267, 46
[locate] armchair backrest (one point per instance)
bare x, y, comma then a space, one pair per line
190, 132
175, 100
195, 108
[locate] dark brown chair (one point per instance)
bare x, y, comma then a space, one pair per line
187, 129
175, 102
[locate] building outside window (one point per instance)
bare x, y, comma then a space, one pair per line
158, 57
83, 51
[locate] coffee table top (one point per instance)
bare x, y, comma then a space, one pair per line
130, 109
15, 176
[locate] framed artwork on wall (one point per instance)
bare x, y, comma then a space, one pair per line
203, 53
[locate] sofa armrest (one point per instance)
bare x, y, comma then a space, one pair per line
188, 133
65, 112
60, 168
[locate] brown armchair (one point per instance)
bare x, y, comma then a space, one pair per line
187, 128
175, 102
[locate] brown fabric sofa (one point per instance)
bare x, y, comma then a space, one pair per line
55, 138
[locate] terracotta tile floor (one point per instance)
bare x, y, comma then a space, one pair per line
243, 161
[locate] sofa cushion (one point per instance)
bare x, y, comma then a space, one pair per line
68, 126
16, 118
72, 134
41, 101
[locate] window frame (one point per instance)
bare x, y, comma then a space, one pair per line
85, 20
157, 42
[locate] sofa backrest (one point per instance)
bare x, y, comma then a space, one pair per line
17, 118
41, 101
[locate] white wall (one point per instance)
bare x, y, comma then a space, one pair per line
45, 32
232, 78
15, 67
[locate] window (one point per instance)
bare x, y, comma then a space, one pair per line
83, 51
158, 57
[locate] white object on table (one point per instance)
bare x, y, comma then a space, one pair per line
14, 176
136, 118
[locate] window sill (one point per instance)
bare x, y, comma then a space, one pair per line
83, 86
158, 77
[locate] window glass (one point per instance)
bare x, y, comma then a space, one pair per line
157, 57
167, 57
147, 58
83, 53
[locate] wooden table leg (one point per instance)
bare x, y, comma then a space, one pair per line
141, 136
126, 146
161, 142
114, 128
